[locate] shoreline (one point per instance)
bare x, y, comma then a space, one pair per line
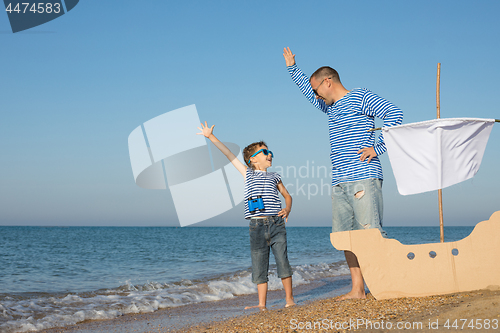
425, 314
173, 319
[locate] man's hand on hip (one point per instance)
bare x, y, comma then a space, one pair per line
367, 153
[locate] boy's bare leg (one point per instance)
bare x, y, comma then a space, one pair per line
287, 285
358, 284
262, 292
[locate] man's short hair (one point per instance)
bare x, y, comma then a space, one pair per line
324, 72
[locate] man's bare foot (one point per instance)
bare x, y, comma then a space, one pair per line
289, 304
352, 295
261, 307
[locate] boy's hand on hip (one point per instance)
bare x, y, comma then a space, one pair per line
284, 213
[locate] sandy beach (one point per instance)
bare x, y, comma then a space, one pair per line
480, 309
477, 311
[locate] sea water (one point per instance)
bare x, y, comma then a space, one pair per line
59, 276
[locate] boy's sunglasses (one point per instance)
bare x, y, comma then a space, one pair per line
264, 151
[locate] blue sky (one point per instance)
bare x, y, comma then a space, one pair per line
74, 88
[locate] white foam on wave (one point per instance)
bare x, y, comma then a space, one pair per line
41, 312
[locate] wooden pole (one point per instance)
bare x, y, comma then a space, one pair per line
440, 191
438, 101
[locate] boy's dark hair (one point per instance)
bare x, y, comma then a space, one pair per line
250, 150
324, 72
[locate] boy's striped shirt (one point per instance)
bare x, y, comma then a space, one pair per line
349, 120
264, 184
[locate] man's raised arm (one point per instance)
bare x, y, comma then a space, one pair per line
302, 81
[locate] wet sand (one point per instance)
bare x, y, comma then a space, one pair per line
317, 311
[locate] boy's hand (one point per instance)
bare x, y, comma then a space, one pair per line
284, 213
205, 130
289, 56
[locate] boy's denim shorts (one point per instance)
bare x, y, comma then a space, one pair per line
357, 205
265, 233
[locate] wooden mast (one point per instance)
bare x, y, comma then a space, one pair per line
440, 191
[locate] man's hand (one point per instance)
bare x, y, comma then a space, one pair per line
289, 56
367, 153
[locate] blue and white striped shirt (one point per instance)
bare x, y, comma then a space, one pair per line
264, 184
349, 120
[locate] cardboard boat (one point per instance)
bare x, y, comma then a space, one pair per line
391, 269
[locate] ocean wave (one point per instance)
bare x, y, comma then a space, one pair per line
37, 311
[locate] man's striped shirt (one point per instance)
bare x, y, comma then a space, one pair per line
349, 120
264, 184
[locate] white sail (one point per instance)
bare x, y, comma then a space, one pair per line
435, 154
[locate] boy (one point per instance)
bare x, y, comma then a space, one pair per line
263, 208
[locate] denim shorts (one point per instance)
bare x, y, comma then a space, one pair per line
265, 233
357, 205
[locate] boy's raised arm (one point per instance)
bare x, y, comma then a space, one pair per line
208, 133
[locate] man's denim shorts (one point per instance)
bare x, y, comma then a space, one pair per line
357, 205
265, 233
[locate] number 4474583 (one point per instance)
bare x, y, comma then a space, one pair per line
478, 324
35, 8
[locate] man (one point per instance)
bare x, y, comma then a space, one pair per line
356, 170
